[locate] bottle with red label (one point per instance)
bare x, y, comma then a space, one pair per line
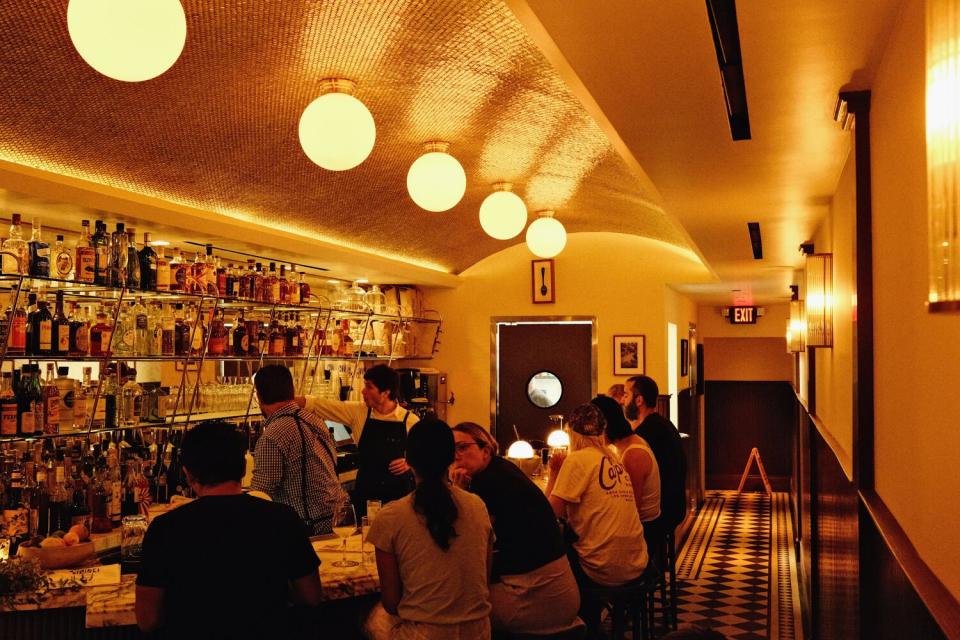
17, 340
61, 329
8, 406
85, 256
100, 335
217, 345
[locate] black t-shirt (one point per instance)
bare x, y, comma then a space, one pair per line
528, 536
664, 441
224, 563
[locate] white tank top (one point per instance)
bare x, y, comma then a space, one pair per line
650, 498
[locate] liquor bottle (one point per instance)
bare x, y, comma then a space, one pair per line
58, 507
263, 338
28, 402
148, 266
62, 259
101, 335
178, 277
256, 288
231, 282
8, 406
41, 330
95, 414
80, 401
40, 505
198, 334
116, 487
109, 397
100, 504
79, 507
101, 247
293, 287
60, 337
51, 403
31, 310
117, 266
217, 344
246, 280
15, 517
79, 332
125, 332
39, 254
17, 326
253, 329
240, 342
277, 339
131, 401
283, 288
155, 329
169, 326
304, 289
141, 325
220, 276
85, 256
295, 337
271, 285
66, 388
163, 272
182, 332
133, 260
19, 262
197, 285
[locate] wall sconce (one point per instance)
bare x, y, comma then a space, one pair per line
943, 152
819, 300
797, 325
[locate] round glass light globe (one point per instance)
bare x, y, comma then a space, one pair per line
520, 450
126, 40
337, 131
546, 237
503, 215
558, 438
436, 181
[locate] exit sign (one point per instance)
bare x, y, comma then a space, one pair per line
743, 315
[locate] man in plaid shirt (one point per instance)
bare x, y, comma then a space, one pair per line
295, 457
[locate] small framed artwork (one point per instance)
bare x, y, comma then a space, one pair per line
684, 357
542, 281
629, 355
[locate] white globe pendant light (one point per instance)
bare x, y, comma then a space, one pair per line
128, 40
336, 130
503, 215
546, 236
436, 181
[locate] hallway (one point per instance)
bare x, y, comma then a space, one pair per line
737, 572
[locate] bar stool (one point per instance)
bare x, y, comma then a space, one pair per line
634, 599
669, 583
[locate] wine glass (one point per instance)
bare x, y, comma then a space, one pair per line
344, 525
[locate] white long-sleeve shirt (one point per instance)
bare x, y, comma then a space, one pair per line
354, 414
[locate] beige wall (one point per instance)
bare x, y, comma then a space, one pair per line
619, 279
834, 378
747, 359
916, 353
681, 311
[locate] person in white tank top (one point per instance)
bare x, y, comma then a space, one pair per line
636, 457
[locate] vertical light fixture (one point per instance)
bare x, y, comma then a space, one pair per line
797, 325
943, 153
128, 40
436, 181
819, 300
336, 130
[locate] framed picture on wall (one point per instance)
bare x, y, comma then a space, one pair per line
629, 355
542, 281
684, 357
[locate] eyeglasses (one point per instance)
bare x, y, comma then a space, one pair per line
460, 447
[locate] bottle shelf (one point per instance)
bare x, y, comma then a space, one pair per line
209, 357
175, 422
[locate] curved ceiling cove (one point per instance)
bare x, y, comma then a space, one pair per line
219, 130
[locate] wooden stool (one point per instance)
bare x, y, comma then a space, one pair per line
634, 598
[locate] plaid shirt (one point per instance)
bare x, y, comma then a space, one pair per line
278, 466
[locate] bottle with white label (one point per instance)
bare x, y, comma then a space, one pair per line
67, 387
8, 406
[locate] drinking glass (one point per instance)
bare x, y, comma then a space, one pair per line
344, 525
366, 553
132, 531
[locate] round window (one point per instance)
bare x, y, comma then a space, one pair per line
544, 389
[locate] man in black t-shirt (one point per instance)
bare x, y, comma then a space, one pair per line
223, 565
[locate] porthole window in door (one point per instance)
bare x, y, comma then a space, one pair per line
544, 389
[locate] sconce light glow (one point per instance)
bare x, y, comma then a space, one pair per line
436, 181
558, 438
336, 130
128, 40
520, 450
503, 215
546, 236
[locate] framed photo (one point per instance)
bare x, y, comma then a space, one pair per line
629, 355
684, 357
542, 281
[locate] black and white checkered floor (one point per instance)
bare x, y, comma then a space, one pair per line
736, 572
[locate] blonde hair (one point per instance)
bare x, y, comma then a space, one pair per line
617, 391
480, 435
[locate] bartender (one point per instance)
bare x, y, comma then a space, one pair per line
379, 426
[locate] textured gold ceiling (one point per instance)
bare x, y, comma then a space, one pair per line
218, 131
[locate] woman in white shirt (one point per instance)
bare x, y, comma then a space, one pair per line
590, 488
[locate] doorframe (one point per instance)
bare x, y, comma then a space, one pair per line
496, 321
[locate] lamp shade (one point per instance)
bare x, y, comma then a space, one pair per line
558, 438
819, 300
520, 450
796, 328
128, 40
503, 215
546, 236
337, 131
436, 181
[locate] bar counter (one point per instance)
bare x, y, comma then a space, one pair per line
112, 605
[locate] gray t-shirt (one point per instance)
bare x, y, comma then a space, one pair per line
440, 587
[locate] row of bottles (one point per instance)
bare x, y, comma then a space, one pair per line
116, 260
46, 488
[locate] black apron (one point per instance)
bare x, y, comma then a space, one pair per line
381, 442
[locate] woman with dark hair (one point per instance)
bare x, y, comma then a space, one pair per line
635, 456
433, 550
532, 588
